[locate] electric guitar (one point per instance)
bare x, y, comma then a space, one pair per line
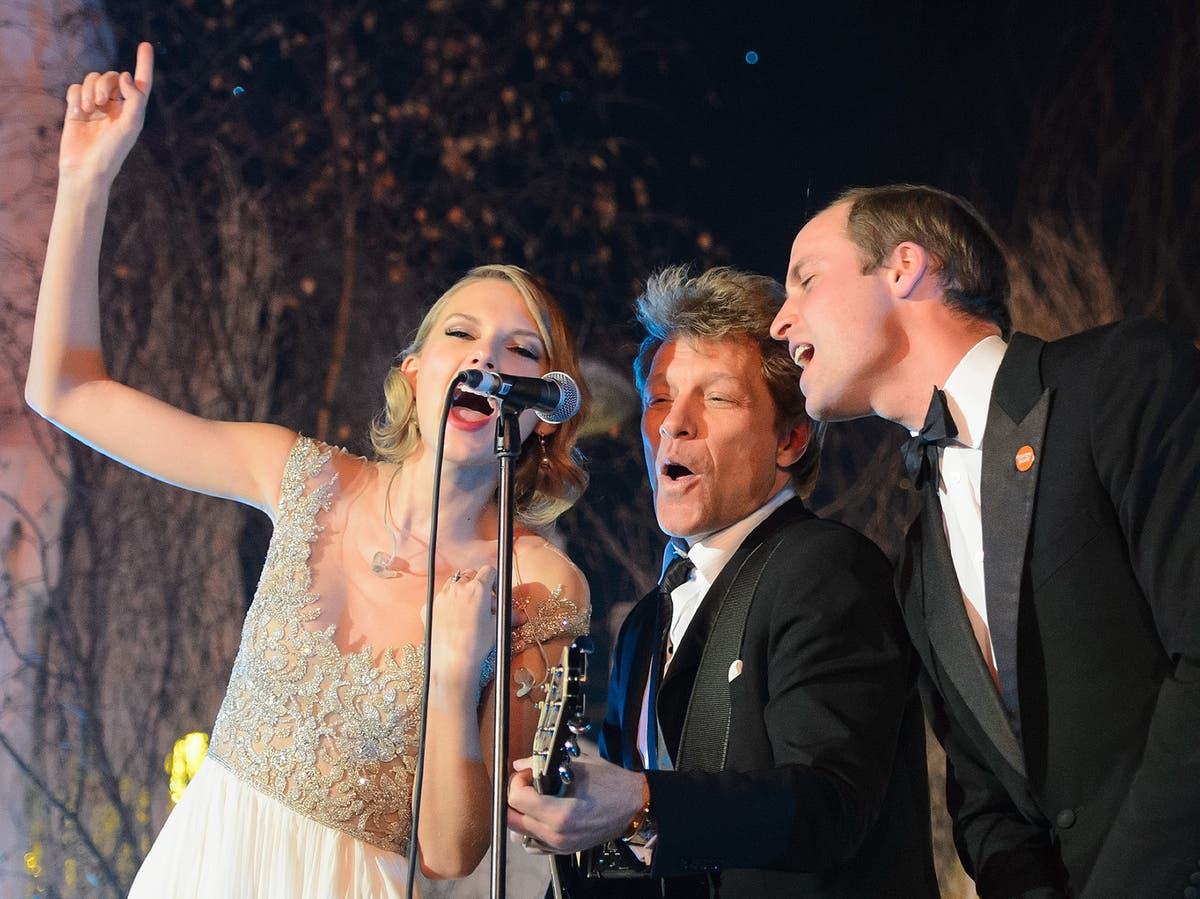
560, 724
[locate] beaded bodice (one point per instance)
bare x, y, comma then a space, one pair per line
330, 734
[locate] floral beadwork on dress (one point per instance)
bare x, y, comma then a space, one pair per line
556, 615
332, 735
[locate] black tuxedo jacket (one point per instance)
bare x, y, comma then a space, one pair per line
823, 792
1091, 787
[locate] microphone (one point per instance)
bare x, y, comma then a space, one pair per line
554, 396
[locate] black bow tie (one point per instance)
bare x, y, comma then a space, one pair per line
920, 451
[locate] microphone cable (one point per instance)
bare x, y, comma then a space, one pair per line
427, 650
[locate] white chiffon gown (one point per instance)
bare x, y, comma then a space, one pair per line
306, 789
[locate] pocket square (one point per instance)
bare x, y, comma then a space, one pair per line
735, 670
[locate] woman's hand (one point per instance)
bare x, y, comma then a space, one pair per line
464, 626
104, 117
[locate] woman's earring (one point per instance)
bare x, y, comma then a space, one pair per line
545, 463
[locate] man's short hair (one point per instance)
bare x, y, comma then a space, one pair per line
726, 303
969, 257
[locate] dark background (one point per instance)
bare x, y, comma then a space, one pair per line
841, 95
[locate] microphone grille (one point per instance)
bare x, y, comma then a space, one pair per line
568, 401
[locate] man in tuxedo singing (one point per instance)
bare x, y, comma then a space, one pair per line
1051, 584
762, 734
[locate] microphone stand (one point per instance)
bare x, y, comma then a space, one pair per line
507, 448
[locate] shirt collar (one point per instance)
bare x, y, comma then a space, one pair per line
710, 553
969, 389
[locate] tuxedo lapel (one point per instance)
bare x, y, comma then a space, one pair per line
951, 637
675, 692
1012, 448
639, 654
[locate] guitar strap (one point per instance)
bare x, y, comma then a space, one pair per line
705, 738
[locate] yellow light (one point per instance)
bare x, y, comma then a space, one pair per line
33, 860
184, 761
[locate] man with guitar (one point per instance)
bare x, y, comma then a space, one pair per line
762, 736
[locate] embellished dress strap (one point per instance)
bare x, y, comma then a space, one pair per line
556, 616
305, 462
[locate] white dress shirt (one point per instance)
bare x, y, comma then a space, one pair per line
968, 394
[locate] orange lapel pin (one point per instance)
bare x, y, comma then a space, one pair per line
1025, 458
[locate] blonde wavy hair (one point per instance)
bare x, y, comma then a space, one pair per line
546, 482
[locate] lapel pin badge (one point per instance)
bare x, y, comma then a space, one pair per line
1025, 458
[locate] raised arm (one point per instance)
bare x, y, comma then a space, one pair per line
67, 381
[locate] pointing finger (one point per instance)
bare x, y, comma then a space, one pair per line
143, 74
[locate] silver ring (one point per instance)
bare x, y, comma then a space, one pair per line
456, 577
